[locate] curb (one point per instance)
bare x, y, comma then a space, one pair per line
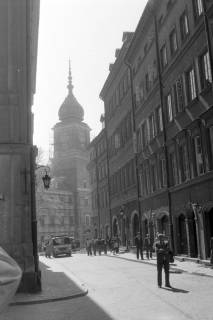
41, 301
172, 269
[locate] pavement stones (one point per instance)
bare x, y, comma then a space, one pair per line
179, 266
56, 286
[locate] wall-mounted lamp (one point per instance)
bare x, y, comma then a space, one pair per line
46, 178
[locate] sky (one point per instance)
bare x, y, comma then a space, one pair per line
88, 32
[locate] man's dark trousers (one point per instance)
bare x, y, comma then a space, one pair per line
139, 251
163, 262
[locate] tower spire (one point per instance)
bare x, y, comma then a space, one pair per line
70, 86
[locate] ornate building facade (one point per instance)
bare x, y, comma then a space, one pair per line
70, 159
163, 82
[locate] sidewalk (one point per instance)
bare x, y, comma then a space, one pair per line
179, 265
56, 286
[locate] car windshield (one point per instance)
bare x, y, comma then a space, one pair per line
61, 241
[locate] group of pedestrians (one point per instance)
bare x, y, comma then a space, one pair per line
99, 245
140, 246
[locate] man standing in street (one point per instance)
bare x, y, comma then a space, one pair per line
162, 252
148, 248
139, 246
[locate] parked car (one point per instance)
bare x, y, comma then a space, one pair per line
61, 245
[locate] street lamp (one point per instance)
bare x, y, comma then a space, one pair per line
46, 178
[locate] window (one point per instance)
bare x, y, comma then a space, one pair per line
152, 130
191, 85
147, 83
169, 107
178, 95
159, 119
154, 177
62, 221
173, 42
173, 168
144, 134
198, 155
162, 172
184, 26
205, 69
210, 146
198, 6
163, 55
117, 141
87, 220
184, 172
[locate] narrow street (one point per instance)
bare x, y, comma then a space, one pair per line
120, 289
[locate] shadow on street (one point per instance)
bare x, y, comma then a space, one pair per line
172, 289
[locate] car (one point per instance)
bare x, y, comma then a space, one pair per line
61, 245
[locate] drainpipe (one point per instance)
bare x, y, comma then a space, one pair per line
135, 147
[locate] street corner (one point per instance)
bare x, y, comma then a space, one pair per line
56, 286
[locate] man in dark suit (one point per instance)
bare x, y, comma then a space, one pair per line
139, 246
162, 252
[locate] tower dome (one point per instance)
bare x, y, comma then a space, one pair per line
71, 109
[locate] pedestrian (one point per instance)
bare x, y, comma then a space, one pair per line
89, 247
116, 245
94, 243
139, 246
147, 245
49, 249
211, 251
162, 252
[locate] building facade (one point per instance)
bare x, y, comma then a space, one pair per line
98, 172
18, 35
70, 159
169, 60
123, 197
